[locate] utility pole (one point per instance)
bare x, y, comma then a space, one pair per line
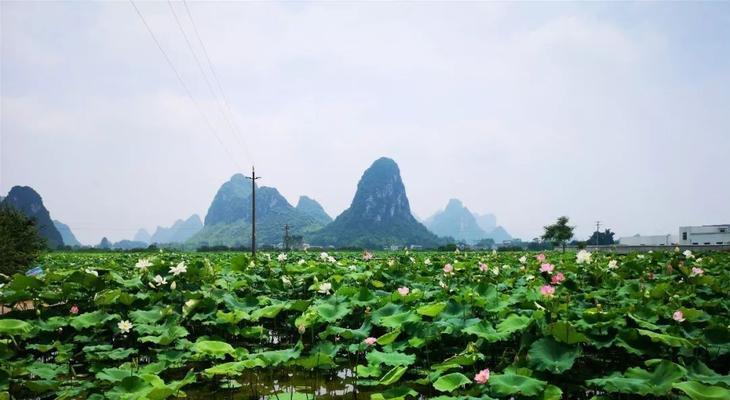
598, 231
253, 178
286, 238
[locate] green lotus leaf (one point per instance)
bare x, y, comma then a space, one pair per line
451, 382
276, 357
636, 380
431, 310
212, 348
393, 375
368, 371
94, 319
332, 310
547, 354
170, 333
389, 337
392, 359
398, 393
564, 332
270, 311
151, 316
552, 393
15, 327
509, 384
393, 316
697, 391
669, 340
698, 371
317, 360
234, 368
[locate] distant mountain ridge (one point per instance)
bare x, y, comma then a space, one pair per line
30, 203
228, 221
68, 237
310, 207
380, 214
456, 221
179, 232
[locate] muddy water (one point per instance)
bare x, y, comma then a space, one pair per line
282, 383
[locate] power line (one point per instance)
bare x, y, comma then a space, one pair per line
185, 87
231, 121
220, 108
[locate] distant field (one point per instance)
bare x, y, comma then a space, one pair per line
398, 325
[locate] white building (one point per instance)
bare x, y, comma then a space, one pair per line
648, 240
705, 234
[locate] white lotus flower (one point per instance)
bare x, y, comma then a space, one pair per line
325, 288
495, 271
323, 256
523, 260
427, 261
125, 326
688, 254
331, 259
281, 257
91, 271
613, 264
143, 264
160, 280
640, 256
301, 261
179, 269
173, 285
583, 257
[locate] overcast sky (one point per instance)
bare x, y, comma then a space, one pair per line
614, 112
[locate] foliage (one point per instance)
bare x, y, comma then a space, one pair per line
20, 242
559, 232
113, 325
601, 238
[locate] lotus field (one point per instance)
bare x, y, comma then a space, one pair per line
383, 326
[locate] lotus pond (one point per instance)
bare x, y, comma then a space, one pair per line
382, 326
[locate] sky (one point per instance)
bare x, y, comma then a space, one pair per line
618, 112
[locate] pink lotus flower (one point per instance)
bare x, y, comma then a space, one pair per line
403, 291
547, 291
678, 316
557, 278
547, 267
74, 309
448, 268
483, 267
540, 257
697, 271
370, 341
366, 255
482, 377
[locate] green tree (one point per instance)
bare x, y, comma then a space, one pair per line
559, 232
605, 237
20, 243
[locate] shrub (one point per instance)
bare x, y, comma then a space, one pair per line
20, 242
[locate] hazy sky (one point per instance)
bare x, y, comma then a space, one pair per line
618, 112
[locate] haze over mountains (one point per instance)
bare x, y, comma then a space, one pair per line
379, 216
456, 221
